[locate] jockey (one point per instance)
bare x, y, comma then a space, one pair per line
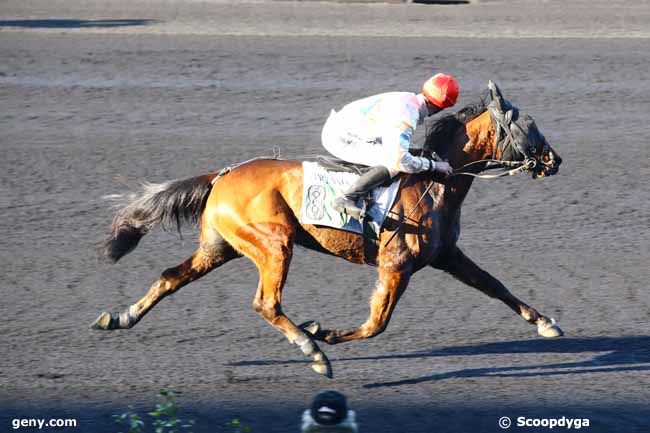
376, 131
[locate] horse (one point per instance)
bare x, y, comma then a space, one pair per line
252, 210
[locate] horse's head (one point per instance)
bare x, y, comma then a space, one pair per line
518, 139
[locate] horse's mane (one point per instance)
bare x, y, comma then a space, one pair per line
440, 132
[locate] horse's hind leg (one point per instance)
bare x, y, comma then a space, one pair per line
212, 252
464, 269
270, 247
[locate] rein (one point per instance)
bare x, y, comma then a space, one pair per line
506, 143
401, 223
519, 167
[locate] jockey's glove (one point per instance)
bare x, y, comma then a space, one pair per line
441, 167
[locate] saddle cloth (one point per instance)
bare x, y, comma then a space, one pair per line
321, 186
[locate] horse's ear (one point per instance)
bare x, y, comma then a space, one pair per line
508, 117
497, 98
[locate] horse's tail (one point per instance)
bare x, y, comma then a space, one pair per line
167, 204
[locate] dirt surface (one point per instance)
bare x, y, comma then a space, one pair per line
91, 91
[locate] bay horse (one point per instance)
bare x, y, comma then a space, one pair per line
253, 211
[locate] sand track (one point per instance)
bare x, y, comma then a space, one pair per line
176, 96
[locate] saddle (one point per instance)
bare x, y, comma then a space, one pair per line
331, 163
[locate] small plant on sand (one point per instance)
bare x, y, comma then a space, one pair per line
130, 419
238, 427
165, 416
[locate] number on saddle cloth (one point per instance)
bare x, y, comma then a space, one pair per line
322, 185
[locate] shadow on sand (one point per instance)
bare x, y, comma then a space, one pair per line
620, 354
74, 24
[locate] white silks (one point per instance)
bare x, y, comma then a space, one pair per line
378, 130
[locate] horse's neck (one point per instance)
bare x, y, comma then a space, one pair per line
479, 140
448, 195
472, 143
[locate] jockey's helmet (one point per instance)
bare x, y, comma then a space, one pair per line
441, 90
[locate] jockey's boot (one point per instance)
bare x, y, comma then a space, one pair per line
373, 178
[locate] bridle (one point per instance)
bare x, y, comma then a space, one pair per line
519, 143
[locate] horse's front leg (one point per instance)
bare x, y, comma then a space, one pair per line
464, 269
390, 286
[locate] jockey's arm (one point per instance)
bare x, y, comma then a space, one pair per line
404, 161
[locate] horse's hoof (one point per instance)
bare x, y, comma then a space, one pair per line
549, 329
311, 327
323, 368
103, 322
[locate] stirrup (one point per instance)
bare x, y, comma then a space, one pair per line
347, 206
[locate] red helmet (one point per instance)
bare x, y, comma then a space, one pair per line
441, 90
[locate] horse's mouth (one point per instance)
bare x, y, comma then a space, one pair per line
545, 171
